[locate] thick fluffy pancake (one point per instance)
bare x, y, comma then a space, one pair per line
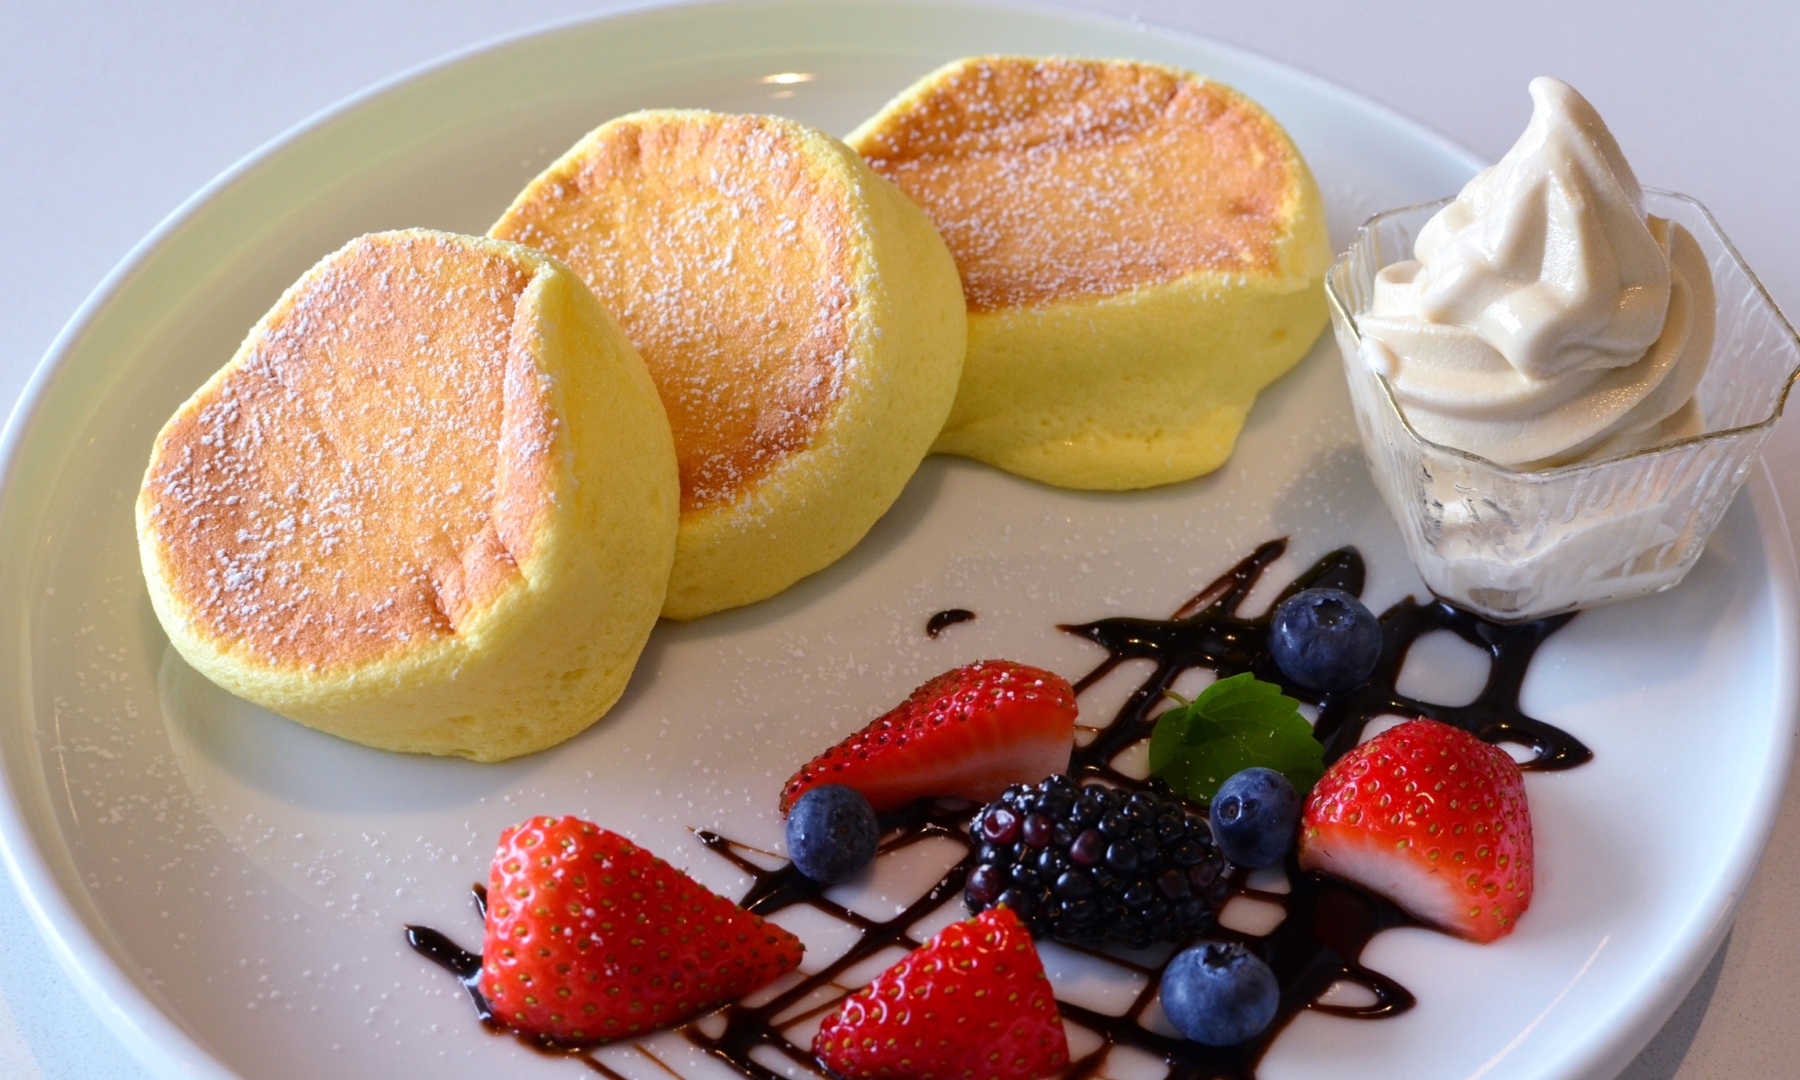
430, 505
801, 318
1142, 250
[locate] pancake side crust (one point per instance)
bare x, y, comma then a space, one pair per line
1142, 249
429, 505
802, 319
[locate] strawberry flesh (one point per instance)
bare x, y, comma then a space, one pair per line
969, 733
591, 938
972, 1003
1432, 818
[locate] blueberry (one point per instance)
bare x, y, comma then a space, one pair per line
1325, 639
1254, 817
1219, 994
832, 833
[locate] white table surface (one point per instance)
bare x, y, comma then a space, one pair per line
113, 112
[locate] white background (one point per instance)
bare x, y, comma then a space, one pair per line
113, 113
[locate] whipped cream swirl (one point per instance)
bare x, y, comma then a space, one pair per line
1545, 318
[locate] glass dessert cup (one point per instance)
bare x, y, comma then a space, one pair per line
1516, 545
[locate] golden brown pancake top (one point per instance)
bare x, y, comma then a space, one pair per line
1066, 179
724, 252
374, 469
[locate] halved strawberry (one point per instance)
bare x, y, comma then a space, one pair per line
1432, 818
968, 733
592, 938
973, 1002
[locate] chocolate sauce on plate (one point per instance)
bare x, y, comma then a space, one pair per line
1316, 946
946, 618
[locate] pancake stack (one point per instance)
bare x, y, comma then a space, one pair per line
440, 496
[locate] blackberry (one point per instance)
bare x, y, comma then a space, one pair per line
1090, 863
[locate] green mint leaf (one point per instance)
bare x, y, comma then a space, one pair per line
1234, 724
1167, 737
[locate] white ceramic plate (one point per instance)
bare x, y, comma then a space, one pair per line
228, 888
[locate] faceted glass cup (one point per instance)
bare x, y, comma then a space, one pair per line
1516, 545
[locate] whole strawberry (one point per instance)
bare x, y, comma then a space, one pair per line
592, 938
968, 733
972, 1002
1432, 818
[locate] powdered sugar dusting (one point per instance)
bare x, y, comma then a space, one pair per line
335, 495
727, 256
1061, 179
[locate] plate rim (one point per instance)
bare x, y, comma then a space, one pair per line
165, 1047
1637, 1021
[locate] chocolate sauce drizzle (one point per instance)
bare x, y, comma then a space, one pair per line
1208, 632
946, 618
1327, 924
